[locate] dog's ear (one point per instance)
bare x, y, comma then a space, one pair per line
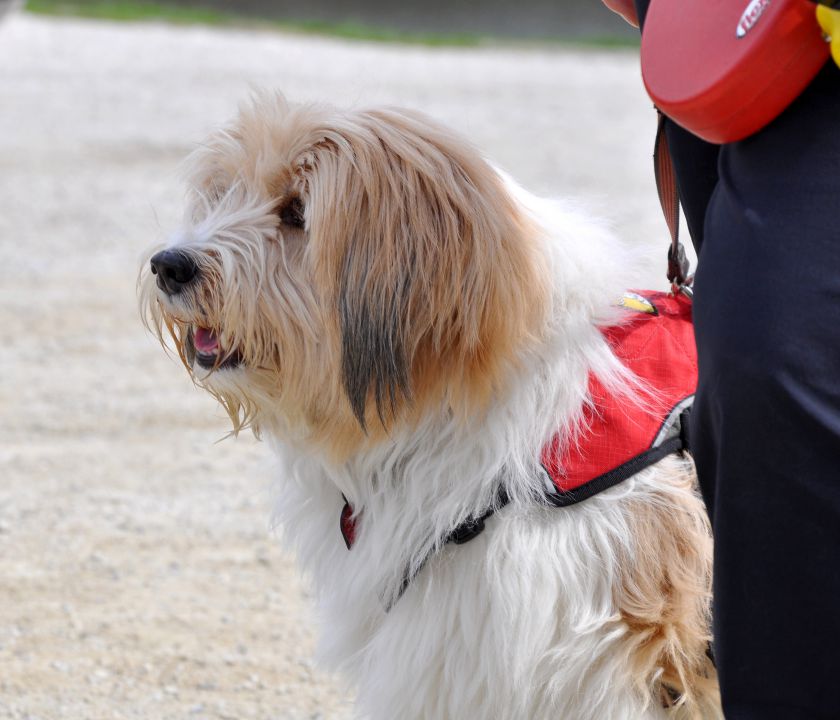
373, 306
433, 266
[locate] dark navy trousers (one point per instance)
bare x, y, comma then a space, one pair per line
766, 426
765, 215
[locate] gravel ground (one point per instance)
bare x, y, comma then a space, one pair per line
139, 575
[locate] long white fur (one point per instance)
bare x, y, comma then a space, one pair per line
520, 622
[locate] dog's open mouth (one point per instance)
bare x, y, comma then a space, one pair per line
204, 347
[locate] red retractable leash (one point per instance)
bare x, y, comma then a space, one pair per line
724, 69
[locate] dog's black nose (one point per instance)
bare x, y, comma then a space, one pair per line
174, 270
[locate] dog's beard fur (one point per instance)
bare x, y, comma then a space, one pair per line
253, 294
409, 328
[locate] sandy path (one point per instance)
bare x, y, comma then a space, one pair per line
139, 577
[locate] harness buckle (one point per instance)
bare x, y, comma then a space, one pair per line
686, 289
467, 531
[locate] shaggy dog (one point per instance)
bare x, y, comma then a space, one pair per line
408, 329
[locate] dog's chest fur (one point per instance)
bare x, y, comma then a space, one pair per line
519, 623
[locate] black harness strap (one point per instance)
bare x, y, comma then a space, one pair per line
565, 498
473, 527
461, 535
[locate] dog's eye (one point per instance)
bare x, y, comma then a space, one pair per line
291, 212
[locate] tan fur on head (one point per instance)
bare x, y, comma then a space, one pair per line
368, 267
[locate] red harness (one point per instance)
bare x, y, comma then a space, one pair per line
619, 438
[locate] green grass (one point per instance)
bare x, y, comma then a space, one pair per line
139, 10
146, 11
129, 11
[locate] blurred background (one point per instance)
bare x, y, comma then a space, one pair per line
139, 573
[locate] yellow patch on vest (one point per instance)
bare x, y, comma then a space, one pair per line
632, 301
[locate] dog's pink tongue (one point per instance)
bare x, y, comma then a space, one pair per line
205, 341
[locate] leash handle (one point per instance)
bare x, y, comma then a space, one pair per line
669, 199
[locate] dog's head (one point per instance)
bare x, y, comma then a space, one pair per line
341, 272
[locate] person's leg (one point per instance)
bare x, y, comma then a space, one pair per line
766, 426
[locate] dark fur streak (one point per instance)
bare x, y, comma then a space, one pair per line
373, 355
292, 212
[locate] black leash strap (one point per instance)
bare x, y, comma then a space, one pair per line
669, 199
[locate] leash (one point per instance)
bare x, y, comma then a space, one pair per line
669, 199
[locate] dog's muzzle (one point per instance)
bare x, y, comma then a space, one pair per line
174, 270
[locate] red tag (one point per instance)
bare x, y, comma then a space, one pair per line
347, 523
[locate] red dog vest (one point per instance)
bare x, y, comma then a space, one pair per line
619, 437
